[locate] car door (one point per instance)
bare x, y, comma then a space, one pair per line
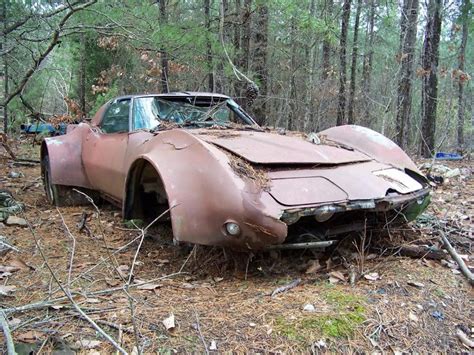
104, 150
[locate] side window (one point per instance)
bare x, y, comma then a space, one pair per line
116, 118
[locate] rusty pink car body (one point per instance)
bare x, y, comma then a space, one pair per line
313, 189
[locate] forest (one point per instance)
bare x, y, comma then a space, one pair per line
165, 225
399, 67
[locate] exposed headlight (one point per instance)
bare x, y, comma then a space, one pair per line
324, 213
291, 218
232, 228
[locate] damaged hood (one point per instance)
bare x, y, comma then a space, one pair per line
271, 148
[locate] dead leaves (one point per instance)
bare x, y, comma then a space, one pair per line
169, 322
86, 344
14, 265
149, 286
372, 276
6, 290
31, 336
313, 266
336, 276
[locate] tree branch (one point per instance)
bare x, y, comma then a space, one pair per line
7, 333
54, 41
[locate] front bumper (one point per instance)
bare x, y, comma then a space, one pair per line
353, 216
385, 204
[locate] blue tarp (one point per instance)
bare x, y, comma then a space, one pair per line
43, 128
448, 156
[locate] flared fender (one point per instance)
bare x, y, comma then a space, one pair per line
65, 157
372, 143
205, 193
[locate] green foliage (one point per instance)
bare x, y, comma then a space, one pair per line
134, 223
347, 313
124, 41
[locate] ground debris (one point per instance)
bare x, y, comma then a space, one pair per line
16, 221
229, 292
286, 287
169, 322
8, 205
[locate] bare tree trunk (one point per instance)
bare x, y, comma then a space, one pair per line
408, 24
82, 76
246, 35
367, 67
260, 59
210, 67
326, 56
461, 77
237, 39
3, 49
429, 95
292, 124
355, 45
309, 117
164, 54
341, 109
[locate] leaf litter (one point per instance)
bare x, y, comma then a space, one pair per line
240, 297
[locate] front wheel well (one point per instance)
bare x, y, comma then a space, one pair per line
145, 194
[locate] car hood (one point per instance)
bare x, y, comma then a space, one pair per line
272, 148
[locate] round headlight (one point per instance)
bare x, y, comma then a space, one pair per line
323, 214
232, 228
291, 218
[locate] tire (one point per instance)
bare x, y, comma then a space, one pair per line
59, 195
50, 189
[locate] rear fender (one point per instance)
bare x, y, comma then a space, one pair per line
65, 157
372, 143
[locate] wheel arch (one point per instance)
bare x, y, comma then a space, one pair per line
132, 181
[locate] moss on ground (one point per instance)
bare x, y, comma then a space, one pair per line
346, 314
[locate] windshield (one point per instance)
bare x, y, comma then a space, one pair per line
155, 112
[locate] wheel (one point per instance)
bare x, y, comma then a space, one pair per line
50, 189
59, 195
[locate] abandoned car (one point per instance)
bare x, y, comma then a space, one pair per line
203, 163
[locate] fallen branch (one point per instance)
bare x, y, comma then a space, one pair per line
198, 326
462, 265
130, 276
69, 295
464, 338
7, 333
412, 251
49, 303
287, 287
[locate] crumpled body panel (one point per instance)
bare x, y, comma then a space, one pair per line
205, 190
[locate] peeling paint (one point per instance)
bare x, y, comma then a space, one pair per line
54, 141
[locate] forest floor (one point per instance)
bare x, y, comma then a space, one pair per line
222, 300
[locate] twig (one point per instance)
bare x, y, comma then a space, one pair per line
7, 334
114, 263
464, 269
2, 243
69, 296
287, 287
198, 326
464, 338
73, 250
43, 304
130, 275
189, 256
